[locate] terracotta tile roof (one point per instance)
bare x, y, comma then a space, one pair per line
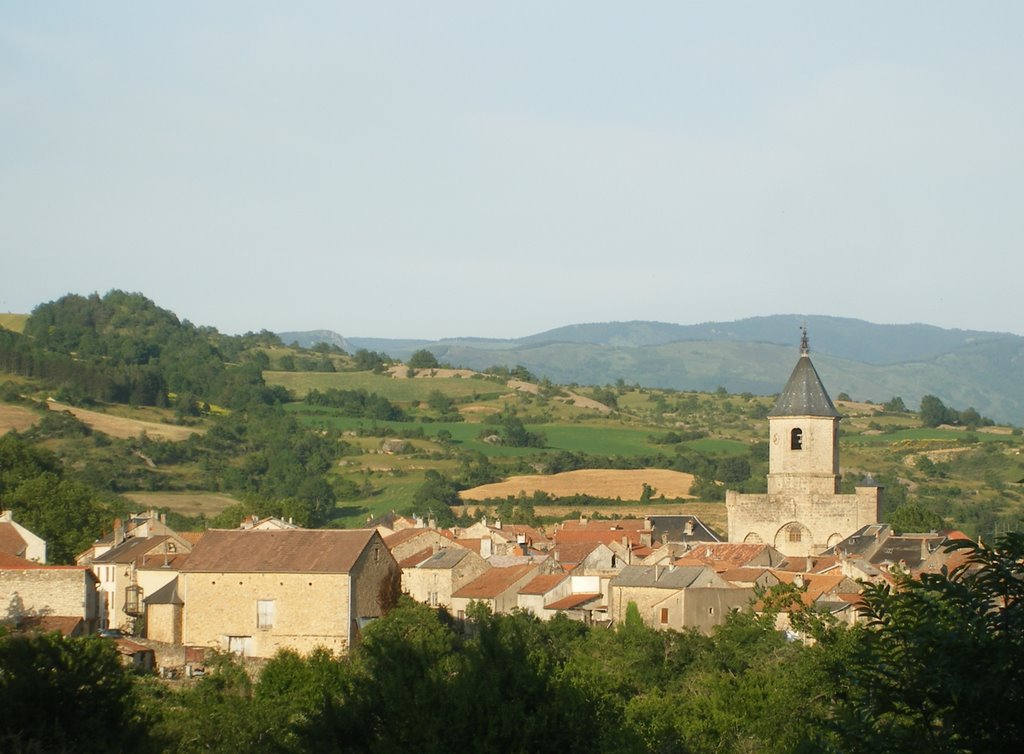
12, 562
11, 540
818, 563
817, 583
722, 555
279, 551
129, 647
404, 535
68, 625
470, 544
573, 600
745, 574
493, 582
416, 558
192, 537
543, 584
574, 552
157, 561
532, 535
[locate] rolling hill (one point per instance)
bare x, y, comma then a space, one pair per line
964, 368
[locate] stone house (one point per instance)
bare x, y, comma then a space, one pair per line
434, 580
59, 597
128, 569
498, 588
577, 596
165, 613
803, 512
407, 543
676, 597
16, 540
255, 592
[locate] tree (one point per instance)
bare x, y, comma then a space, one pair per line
933, 411
423, 359
65, 695
894, 406
941, 665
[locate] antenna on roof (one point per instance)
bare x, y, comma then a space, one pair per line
805, 345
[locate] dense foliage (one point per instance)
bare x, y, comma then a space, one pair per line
938, 667
122, 348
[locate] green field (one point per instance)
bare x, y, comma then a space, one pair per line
400, 390
929, 434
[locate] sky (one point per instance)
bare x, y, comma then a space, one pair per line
443, 169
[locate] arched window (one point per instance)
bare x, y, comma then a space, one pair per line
796, 439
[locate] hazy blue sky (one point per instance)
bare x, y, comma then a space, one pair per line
497, 169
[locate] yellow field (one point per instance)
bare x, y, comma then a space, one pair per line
712, 514
17, 418
13, 322
124, 428
626, 484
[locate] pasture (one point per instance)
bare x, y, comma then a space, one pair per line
209, 504
395, 389
13, 322
17, 418
123, 427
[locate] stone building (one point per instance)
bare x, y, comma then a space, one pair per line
802, 512
35, 595
255, 592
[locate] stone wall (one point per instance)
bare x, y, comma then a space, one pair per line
310, 610
65, 591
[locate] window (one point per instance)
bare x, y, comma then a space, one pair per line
433, 599
711, 611
794, 534
133, 600
664, 616
796, 439
265, 613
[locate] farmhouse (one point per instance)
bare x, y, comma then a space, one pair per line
802, 512
255, 592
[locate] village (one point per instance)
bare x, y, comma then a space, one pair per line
167, 598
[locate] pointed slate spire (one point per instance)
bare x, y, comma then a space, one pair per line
804, 395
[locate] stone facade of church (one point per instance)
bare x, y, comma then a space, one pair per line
802, 512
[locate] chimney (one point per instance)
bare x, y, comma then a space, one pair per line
798, 581
810, 564
583, 519
118, 532
483, 520
486, 547
431, 523
497, 523
688, 529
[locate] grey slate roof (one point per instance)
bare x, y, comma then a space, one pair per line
445, 559
804, 395
661, 577
673, 529
165, 595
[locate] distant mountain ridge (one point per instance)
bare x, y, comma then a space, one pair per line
964, 368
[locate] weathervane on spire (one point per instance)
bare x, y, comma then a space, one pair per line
805, 345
